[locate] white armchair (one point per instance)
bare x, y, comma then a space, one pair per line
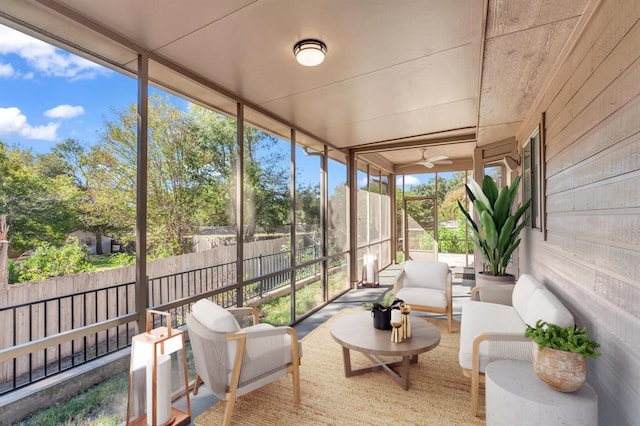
233, 361
426, 286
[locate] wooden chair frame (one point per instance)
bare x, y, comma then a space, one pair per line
476, 376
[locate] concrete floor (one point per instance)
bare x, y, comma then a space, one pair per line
353, 299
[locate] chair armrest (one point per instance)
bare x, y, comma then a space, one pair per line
398, 283
241, 313
450, 288
494, 289
270, 337
474, 293
499, 337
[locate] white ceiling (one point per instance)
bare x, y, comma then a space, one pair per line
395, 72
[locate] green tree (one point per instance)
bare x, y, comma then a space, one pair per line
40, 208
192, 159
308, 207
266, 190
214, 165
266, 184
171, 187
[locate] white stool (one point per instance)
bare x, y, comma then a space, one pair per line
515, 396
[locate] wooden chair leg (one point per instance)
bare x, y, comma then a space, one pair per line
474, 396
296, 383
228, 410
450, 318
196, 385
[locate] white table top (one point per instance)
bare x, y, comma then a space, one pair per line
519, 378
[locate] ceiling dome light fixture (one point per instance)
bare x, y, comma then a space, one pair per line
310, 52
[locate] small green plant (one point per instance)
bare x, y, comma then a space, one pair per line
568, 339
387, 301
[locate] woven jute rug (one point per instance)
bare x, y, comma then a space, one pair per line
438, 395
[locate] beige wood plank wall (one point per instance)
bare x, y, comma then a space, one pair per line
591, 257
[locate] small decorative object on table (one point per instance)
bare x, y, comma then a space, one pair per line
397, 324
381, 311
406, 324
560, 354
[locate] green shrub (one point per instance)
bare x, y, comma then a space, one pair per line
13, 272
453, 240
569, 339
426, 241
49, 261
122, 259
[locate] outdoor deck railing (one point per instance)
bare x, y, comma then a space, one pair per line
88, 325
96, 323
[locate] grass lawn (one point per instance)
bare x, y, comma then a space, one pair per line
102, 405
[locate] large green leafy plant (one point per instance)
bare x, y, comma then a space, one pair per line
496, 232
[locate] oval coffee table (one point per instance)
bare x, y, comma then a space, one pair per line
355, 331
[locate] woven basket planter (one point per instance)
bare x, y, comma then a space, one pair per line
561, 370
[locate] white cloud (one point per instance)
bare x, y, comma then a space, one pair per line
14, 122
46, 58
6, 70
64, 111
409, 180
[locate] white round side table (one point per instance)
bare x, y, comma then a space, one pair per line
515, 396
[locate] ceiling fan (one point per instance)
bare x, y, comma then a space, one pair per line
429, 162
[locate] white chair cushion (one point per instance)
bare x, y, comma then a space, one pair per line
286, 337
423, 296
483, 317
258, 327
546, 306
426, 274
214, 317
522, 292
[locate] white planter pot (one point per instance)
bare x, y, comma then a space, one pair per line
492, 288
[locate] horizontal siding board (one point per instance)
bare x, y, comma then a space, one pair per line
594, 21
609, 259
612, 161
622, 124
619, 228
616, 193
620, 92
608, 55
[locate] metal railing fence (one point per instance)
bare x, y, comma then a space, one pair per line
53, 335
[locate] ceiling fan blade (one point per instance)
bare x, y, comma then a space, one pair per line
437, 158
442, 162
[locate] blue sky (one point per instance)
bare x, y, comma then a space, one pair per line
48, 95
